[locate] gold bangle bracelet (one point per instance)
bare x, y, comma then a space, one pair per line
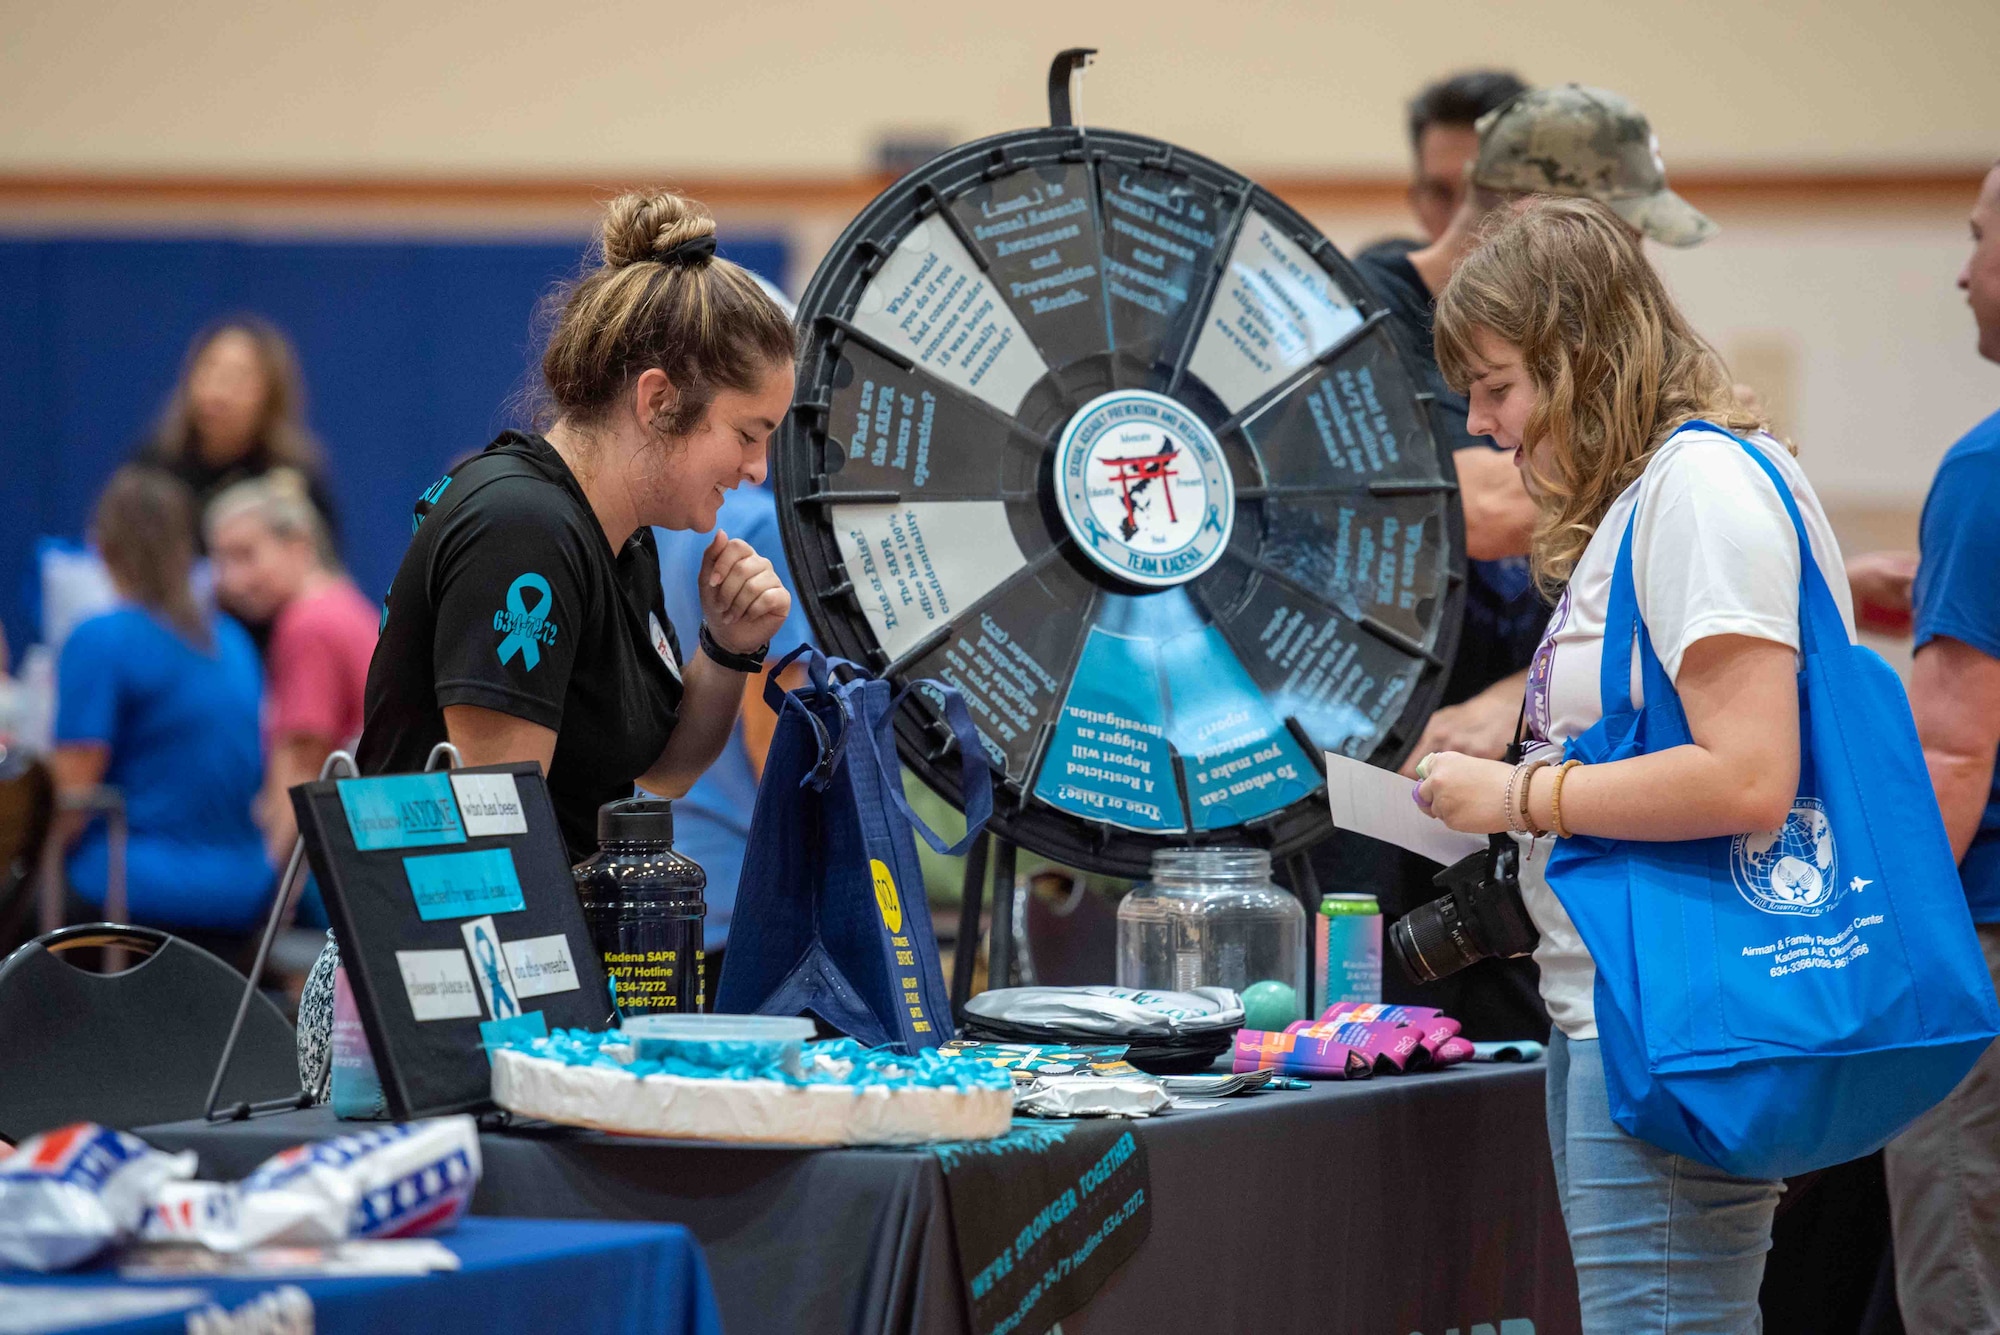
1556, 798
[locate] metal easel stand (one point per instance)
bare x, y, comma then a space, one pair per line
339, 763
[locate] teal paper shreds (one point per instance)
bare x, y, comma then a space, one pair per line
839, 1061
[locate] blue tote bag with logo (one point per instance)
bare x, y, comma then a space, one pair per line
831, 918
1773, 1003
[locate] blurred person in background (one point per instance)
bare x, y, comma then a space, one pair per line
1944, 1172
712, 819
1590, 135
159, 698
238, 412
1567, 140
273, 566
1443, 142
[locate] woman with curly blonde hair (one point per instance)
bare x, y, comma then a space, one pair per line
1573, 355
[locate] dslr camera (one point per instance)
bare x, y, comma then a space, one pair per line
1481, 914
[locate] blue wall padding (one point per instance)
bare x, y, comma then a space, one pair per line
412, 351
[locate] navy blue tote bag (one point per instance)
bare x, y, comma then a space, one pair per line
1773, 1003
831, 918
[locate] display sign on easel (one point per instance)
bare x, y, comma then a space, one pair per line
451, 896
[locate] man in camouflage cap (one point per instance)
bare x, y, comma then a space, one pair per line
1573, 140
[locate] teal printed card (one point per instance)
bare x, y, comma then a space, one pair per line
515, 1028
401, 811
464, 885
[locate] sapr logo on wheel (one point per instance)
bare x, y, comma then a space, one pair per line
1144, 488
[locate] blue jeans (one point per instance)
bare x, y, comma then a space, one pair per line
1663, 1245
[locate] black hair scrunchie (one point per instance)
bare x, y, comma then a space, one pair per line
694, 250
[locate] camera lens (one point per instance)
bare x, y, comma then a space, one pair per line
1429, 942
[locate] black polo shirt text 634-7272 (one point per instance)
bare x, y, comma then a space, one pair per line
510, 598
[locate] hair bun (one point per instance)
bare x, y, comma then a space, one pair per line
644, 225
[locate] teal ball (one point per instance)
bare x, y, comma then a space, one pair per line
1269, 1005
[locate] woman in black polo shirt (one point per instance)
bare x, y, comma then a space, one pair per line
526, 621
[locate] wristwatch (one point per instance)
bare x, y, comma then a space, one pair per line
735, 662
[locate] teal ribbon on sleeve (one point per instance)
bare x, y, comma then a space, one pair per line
524, 626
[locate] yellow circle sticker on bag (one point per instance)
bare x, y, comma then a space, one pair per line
885, 895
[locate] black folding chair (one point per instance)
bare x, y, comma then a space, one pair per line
134, 1047
27, 807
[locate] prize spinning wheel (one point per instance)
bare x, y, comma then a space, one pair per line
1111, 439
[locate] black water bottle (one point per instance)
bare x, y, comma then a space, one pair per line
644, 904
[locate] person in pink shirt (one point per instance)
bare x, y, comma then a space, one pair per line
273, 563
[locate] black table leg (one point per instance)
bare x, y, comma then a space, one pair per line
965, 957
1000, 945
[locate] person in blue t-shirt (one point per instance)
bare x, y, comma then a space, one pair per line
1944, 1172
159, 699
712, 820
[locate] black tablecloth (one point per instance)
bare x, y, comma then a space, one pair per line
1397, 1205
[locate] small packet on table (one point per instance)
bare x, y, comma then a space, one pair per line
67, 1194
390, 1182
1092, 1096
1214, 1086
1029, 1061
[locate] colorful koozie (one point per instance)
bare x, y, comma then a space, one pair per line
1434, 1026
1451, 1052
1390, 1047
1319, 1058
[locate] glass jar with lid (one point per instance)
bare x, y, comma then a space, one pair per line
1211, 917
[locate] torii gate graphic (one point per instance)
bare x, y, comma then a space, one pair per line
1140, 470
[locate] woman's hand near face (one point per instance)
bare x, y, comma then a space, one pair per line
1466, 793
742, 599
744, 606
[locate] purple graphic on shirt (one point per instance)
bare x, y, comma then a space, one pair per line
1541, 669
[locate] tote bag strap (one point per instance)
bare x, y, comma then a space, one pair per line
819, 674
1623, 626
975, 779
1819, 615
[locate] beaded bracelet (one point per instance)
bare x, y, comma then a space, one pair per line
1556, 798
1527, 799
1515, 806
